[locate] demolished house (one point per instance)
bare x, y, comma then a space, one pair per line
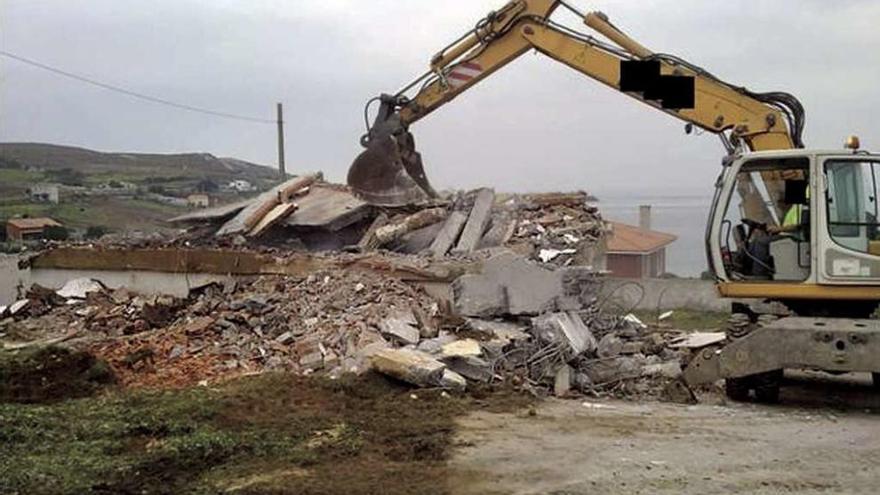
476, 287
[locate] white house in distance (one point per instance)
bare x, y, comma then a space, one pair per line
241, 185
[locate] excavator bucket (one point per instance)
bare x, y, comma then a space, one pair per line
390, 172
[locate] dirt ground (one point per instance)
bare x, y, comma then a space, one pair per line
821, 439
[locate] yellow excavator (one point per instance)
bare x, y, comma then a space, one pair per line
789, 225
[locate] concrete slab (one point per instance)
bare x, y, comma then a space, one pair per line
328, 207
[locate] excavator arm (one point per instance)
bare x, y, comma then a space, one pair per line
390, 171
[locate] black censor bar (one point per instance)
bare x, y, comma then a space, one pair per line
643, 76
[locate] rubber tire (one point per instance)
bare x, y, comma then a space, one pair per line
767, 387
737, 389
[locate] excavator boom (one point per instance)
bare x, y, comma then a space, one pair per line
390, 171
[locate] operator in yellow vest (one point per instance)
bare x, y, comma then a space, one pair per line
793, 222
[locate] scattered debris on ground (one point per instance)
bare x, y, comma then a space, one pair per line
536, 326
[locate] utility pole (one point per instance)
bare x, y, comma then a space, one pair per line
281, 169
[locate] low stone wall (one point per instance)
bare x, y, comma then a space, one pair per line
653, 294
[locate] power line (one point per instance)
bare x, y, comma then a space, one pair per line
134, 94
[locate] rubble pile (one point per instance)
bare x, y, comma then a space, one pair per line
538, 326
307, 213
517, 301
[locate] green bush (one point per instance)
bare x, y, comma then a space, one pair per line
96, 231
56, 233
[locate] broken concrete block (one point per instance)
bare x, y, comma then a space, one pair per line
453, 381
461, 348
400, 328
448, 233
501, 330
394, 231
331, 360
477, 221
562, 381
566, 327
609, 346
312, 361
604, 372
16, 307
409, 365
510, 284
669, 369
435, 345
633, 347
78, 288
285, 338
470, 367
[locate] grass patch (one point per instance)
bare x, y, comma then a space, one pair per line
273, 433
687, 319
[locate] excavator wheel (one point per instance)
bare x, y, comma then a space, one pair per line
737, 389
767, 386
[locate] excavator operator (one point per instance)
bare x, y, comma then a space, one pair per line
795, 224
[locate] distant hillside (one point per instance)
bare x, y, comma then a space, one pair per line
116, 191
99, 166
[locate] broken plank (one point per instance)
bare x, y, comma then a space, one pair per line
477, 222
395, 231
367, 238
239, 223
216, 213
273, 217
297, 184
448, 234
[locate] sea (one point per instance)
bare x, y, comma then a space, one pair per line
683, 216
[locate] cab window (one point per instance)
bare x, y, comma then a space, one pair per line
851, 198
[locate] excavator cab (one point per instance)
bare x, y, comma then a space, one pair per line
797, 223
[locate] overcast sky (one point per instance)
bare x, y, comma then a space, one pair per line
536, 125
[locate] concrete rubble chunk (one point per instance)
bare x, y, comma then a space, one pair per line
78, 288
461, 348
435, 345
393, 231
477, 221
512, 285
16, 307
400, 326
566, 327
471, 367
453, 381
562, 381
501, 330
448, 234
668, 369
329, 208
612, 370
409, 365
609, 346
285, 338
312, 361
